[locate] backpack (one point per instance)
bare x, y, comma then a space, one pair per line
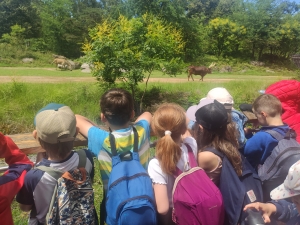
73, 197
237, 191
196, 199
275, 169
130, 197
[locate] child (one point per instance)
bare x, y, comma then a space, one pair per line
56, 131
12, 180
117, 112
169, 124
267, 108
279, 208
213, 129
223, 96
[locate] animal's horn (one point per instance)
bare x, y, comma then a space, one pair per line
212, 65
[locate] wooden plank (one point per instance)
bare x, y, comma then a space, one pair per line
29, 145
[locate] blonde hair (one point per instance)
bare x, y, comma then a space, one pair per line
269, 104
168, 117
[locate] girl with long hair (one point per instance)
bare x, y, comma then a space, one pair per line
213, 128
169, 124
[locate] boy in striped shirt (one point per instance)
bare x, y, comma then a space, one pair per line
117, 111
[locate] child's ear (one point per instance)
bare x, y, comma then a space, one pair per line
201, 128
34, 134
102, 117
264, 114
132, 115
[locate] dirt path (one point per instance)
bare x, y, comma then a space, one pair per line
48, 79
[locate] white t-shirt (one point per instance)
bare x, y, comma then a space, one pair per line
159, 177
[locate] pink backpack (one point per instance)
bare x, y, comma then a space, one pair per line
196, 199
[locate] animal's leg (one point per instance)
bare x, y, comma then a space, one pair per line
192, 77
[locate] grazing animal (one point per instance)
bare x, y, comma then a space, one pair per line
199, 70
62, 63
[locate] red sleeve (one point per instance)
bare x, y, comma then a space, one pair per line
10, 151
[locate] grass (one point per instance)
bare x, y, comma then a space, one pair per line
20, 101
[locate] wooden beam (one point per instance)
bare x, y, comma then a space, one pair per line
29, 145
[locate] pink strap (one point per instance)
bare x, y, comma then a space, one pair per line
192, 161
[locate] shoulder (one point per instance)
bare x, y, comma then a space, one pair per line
208, 160
155, 172
96, 131
32, 178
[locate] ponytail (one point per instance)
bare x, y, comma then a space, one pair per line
168, 154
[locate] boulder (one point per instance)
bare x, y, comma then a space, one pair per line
27, 60
85, 68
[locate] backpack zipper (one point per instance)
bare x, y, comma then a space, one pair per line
127, 178
278, 157
131, 199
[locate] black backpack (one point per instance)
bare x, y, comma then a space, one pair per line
275, 169
237, 191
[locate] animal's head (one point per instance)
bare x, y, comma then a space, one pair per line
210, 67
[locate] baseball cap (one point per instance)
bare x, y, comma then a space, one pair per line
55, 123
209, 113
290, 186
221, 95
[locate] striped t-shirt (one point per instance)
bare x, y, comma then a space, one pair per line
98, 143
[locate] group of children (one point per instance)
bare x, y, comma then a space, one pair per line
212, 123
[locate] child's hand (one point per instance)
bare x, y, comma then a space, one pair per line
266, 208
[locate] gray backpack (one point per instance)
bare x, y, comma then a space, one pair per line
275, 169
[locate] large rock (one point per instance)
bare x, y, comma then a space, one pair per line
27, 60
85, 68
72, 64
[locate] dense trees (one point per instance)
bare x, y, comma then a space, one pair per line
248, 28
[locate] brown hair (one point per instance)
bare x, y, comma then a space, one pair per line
117, 106
269, 104
169, 117
59, 150
224, 140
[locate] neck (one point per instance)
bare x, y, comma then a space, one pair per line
113, 127
58, 159
276, 121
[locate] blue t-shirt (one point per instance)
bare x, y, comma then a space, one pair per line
98, 143
286, 212
260, 146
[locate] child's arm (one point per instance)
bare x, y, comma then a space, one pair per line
266, 208
145, 116
25, 208
161, 198
84, 124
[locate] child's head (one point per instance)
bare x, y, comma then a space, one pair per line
266, 105
55, 129
168, 124
290, 187
221, 95
117, 106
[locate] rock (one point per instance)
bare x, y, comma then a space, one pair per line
257, 63
270, 71
226, 69
85, 68
27, 60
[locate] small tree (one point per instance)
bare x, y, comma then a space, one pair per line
15, 37
125, 50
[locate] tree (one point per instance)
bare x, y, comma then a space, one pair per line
225, 35
125, 49
15, 37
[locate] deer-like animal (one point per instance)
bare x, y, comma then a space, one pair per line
62, 63
199, 70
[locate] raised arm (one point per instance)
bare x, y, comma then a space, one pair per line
84, 124
145, 116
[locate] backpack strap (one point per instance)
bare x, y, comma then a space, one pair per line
275, 134
192, 160
215, 151
51, 171
112, 141
82, 158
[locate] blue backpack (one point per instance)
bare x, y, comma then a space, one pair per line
276, 167
237, 191
130, 197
